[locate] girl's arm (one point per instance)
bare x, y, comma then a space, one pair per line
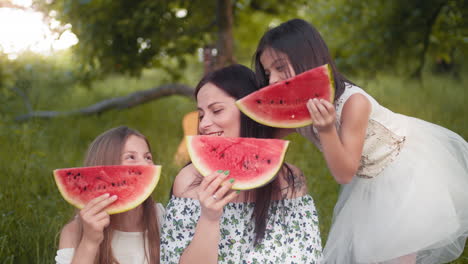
93, 219
342, 151
204, 245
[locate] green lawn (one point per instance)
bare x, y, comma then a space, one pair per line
32, 210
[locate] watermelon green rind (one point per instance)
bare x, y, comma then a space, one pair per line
280, 124
267, 118
205, 170
332, 84
144, 194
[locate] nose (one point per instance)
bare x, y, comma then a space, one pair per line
274, 78
204, 124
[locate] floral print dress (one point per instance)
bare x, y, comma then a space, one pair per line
292, 234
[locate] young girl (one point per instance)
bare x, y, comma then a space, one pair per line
208, 223
126, 238
404, 180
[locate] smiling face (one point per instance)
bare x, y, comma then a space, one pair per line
136, 152
218, 114
276, 66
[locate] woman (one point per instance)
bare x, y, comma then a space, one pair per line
208, 223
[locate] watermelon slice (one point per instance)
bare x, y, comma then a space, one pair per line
132, 184
283, 104
252, 162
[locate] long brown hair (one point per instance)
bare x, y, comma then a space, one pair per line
304, 47
238, 81
106, 149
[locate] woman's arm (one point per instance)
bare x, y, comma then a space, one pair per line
213, 193
342, 151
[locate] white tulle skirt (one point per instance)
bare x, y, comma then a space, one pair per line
416, 209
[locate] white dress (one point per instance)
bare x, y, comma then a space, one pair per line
127, 247
409, 195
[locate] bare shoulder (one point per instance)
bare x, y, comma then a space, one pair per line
356, 113
292, 182
357, 104
70, 234
185, 183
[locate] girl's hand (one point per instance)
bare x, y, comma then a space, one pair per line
322, 113
213, 197
94, 218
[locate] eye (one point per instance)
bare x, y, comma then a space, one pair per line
128, 157
217, 110
149, 157
280, 68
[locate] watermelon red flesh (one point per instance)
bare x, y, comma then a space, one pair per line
252, 162
283, 104
132, 184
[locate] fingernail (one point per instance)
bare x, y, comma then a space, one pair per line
226, 173
231, 180
106, 195
238, 191
219, 171
114, 197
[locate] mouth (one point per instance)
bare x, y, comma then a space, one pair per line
219, 133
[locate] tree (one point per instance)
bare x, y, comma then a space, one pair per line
127, 36
376, 35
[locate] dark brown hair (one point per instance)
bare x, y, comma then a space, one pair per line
304, 47
107, 149
238, 81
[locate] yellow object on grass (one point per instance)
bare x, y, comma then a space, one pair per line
190, 127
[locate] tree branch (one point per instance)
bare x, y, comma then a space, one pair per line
122, 102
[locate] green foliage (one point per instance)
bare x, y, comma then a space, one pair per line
25, 77
450, 32
127, 36
369, 36
379, 35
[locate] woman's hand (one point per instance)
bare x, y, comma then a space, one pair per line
214, 193
322, 113
94, 218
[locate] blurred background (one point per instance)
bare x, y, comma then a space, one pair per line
71, 69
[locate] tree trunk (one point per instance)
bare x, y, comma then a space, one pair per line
428, 31
225, 54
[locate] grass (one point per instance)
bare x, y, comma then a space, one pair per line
32, 210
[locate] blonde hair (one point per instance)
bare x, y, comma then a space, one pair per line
106, 149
